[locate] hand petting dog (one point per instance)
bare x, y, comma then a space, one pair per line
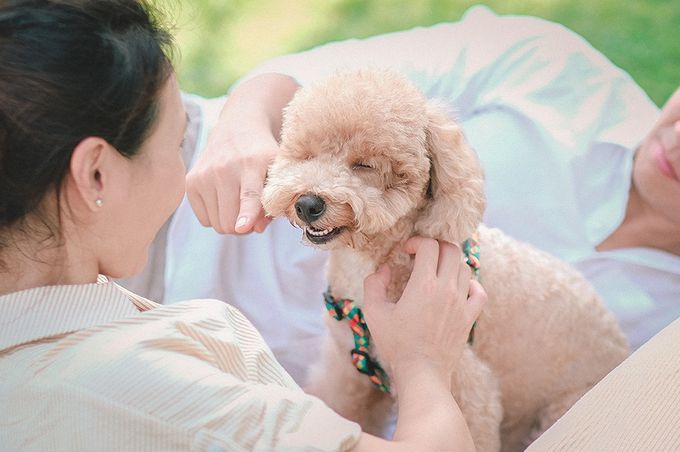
438, 294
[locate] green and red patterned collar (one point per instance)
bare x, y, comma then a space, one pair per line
471, 251
344, 308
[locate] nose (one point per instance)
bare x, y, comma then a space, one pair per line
310, 208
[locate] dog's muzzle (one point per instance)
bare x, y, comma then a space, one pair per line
309, 208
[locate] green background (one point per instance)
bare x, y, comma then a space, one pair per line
220, 40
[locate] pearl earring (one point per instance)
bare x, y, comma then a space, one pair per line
98, 202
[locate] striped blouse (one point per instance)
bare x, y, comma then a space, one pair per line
94, 367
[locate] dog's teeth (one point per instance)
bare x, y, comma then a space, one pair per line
319, 233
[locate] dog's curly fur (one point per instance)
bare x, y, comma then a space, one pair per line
389, 164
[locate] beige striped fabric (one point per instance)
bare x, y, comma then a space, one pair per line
94, 367
635, 408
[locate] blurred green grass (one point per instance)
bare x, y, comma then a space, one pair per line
220, 40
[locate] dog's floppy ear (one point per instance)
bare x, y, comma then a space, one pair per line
456, 192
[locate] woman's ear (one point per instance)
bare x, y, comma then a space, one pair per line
86, 178
456, 191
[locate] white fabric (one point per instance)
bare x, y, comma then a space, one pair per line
555, 125
81, 368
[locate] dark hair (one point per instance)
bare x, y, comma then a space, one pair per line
70, 69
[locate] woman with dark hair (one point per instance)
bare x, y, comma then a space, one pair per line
91, 129
82, 86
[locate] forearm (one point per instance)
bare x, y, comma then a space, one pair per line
255, 107
429, 417
428, 411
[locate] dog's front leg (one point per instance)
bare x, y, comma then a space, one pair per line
336, 381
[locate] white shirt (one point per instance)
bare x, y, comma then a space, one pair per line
91, 367
555, 125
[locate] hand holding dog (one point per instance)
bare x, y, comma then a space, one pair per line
428, 327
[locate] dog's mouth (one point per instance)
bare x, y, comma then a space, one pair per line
321, 236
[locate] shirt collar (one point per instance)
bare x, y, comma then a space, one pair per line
42, 312
645, 257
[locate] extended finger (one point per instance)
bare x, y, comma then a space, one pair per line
198, 206
218, 207
463, 279
227, 205
450, 258
477, 298
426, 256
250, 205
375, 287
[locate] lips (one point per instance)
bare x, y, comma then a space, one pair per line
664, 164
321, 236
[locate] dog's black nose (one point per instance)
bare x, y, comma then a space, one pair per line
309, 208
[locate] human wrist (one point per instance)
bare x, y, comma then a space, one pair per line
420, 369
246, 130
426, 404
259, 102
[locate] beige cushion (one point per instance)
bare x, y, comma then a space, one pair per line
634, 408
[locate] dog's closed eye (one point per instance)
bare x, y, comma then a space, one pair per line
362, 166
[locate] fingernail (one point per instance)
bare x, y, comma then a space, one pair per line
241, 221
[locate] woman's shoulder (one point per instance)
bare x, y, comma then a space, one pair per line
204, 334
150, 345
157, 374
147, 368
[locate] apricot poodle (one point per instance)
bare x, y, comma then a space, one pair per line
366, 162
